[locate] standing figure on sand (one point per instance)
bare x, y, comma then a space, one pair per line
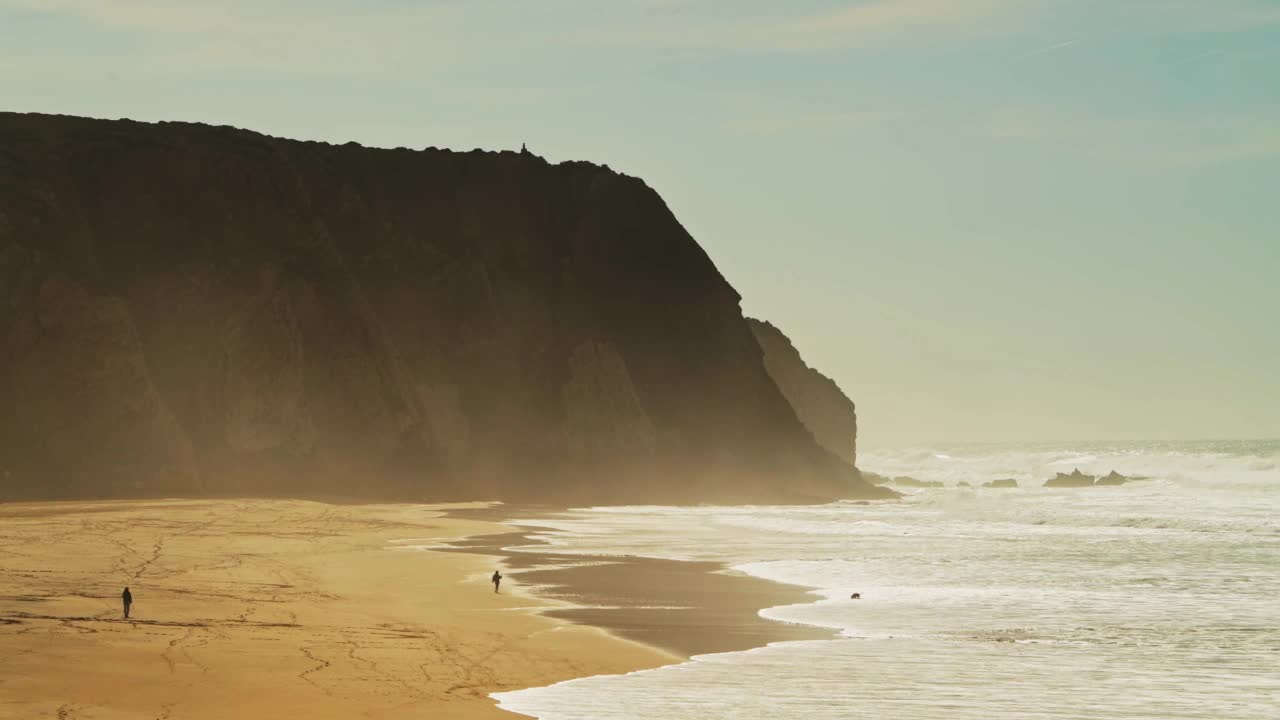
497, 578
127, 598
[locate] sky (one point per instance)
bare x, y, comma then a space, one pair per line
988, 220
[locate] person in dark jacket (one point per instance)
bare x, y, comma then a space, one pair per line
497, 578
127, 597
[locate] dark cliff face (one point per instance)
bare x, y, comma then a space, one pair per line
190, 309
820, 405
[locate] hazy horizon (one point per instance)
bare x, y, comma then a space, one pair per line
1145, 443
1002, 221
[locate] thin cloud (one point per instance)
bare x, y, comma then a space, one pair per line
1052, 48
859, 23
270, 35
891, 14
1152, 142
1199, 56
823, 122
1201, 16
1225, 14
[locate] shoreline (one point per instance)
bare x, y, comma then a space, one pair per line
291, 608
682, 607
272, 608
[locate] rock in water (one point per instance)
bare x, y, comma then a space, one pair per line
874, 478
192, 309
1112, 478
1075, 480
907, 481
1005, 483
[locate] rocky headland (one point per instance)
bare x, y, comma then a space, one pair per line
188, 309
818, 401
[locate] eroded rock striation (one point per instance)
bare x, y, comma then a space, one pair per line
192, 309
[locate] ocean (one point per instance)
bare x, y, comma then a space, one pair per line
1156, 599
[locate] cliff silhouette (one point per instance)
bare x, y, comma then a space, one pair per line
818, 401
188, 309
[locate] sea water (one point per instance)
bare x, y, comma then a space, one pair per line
1156, 599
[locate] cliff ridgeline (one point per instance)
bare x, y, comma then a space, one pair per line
187, 309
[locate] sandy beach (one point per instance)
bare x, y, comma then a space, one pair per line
271, 608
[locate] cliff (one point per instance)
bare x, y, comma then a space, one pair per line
818, 402
188, 309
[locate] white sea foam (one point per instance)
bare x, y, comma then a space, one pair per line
1150, 600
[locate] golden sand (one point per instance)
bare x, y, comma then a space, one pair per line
269, 609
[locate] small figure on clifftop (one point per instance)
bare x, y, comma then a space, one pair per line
127, 597
497, 578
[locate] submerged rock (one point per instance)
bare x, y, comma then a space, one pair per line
1006, 483
907, 481
874, 478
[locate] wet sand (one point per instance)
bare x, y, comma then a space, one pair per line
686, 608
269, 609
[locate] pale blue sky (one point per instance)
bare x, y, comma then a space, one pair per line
987, 219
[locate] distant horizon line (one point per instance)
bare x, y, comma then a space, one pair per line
926, 443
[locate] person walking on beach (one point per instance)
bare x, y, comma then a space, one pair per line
497, 578
127, 597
